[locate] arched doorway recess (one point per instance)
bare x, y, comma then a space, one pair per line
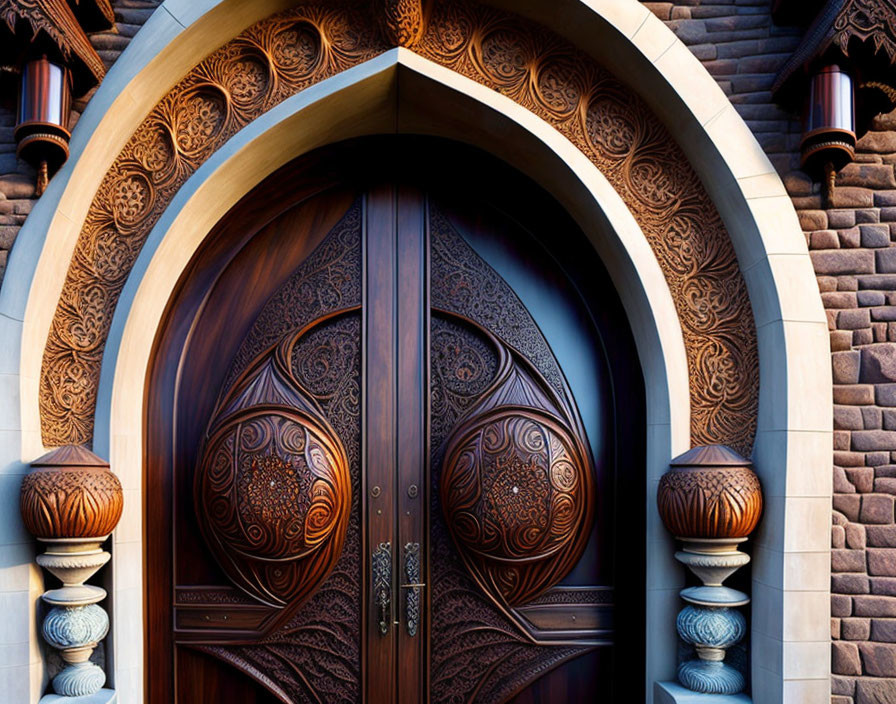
789, 327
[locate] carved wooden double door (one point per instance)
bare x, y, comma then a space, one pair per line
386, 489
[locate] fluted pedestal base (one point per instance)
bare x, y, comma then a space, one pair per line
674, 693
104, 696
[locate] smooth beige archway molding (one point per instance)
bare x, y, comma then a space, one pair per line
790, 582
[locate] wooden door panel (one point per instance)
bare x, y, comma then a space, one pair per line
297, 369
397, 376
513, 494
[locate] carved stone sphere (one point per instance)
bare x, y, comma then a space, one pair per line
71, 494
710, 492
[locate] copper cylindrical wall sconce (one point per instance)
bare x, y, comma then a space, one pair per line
829, 137
41, 130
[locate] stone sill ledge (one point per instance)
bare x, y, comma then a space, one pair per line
674, 693
104, 696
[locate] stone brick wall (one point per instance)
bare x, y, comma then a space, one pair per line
16, 177
853, 251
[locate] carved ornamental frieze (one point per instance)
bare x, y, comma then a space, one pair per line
290, 51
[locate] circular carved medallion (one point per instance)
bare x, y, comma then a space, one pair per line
272, 496
517, 495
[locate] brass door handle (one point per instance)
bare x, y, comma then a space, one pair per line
381, 564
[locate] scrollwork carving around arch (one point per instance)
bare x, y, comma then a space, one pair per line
290, 51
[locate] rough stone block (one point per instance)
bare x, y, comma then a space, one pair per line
851, 197
842, 485
875, 235
884, 314
841, 605
883, 585
874, 606
877, 509
826, 283
845, 686
875, 691
849, 459
824, 239
855, 629
849, 505
839, 300
841, 219
881, 536
845, 659
872, 418
862, 478
879, 659
868, 215
886, 260
847, 560
868, 175
853, 319
878, 363
884, 198
871, 298
885, 485
883, 630
850, 583
882, 562
877, 282
850, 238
841, 340
871, 440
811, 220
847, 418
887, 214
856, 394
855, 536
851, 283
841, 261
841, 439
838, 537
862, 337
884, 394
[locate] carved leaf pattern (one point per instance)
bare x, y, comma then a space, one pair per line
286, 53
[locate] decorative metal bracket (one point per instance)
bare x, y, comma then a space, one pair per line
413, 585
381, 563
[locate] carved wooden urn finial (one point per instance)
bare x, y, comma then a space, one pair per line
402, 21
710, 492
71, 494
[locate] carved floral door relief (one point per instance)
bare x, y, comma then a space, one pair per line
390, 493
